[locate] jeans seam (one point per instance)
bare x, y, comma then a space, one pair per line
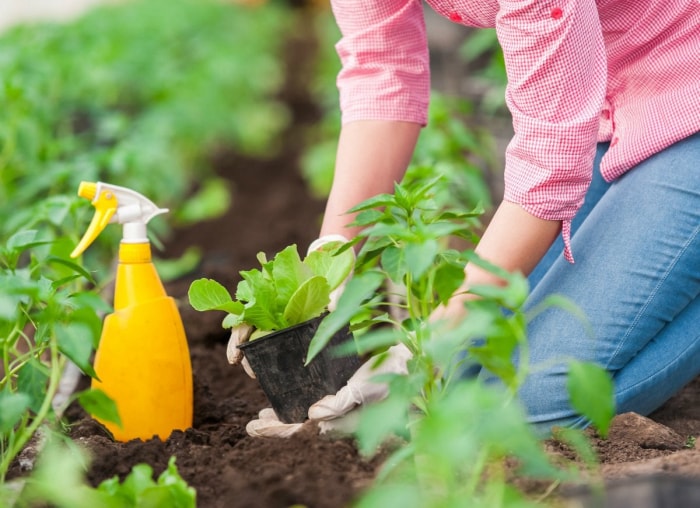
665, 369
651, 297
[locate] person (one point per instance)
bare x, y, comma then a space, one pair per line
602, 179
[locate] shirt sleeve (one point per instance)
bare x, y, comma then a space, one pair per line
556, 66
385, 71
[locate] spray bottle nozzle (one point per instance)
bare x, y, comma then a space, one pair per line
116, 204
87, 190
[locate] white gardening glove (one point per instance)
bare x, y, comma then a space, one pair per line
361, 388
239, 335
335, 412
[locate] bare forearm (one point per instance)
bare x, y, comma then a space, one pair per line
514, 240
372, 155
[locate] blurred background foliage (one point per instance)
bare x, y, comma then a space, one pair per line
143, 93
137, 94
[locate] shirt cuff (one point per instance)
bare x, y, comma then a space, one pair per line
566, 236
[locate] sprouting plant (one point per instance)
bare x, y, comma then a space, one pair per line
59, 480
458, 429
286, 290
47, 318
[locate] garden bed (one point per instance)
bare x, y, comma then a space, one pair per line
226, 466
273, 208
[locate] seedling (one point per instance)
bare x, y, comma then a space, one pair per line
283, 302
458, 430
286, 291
46, 319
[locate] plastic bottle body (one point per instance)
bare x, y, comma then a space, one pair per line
143, 360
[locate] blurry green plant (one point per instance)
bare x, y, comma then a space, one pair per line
46, 319
458, 431
141, 94
59, 480
482, 50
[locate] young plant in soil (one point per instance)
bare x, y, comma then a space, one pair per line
460, 433
281, 305
59, 480
47, 318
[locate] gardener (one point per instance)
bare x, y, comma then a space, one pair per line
602, 178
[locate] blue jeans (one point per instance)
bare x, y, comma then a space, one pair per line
636, 243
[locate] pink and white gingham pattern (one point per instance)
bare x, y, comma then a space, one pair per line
579, 71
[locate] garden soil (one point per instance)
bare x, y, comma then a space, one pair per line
271, 209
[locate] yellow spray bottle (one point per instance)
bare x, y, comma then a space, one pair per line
142, 362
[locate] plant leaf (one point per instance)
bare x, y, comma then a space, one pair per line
73, 266
288, 274
207, 294
12, 407
173, 269
212, 200
420, 256
448, 278
359, 288
22, 239
394, 264
262, 310
100, 405
334, 267
373, 340
377, 201
308, 301
591, 390
75, 341
31, 380
379, 421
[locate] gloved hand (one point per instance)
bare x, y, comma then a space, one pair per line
334, 413
239, 335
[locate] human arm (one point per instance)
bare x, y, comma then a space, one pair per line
372, 155
514, 240
557, 79
556, 67
384, 88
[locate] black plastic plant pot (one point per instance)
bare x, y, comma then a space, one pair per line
278, 362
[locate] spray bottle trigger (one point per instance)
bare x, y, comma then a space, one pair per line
105, 204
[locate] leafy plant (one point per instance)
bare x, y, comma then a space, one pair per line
285, 291
139, 488
46, 319
155, 89
482, 52
459, 430
58, 479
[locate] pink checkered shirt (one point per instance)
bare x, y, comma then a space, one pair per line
579, 71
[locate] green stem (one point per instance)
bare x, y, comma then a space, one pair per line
11, 338
20, 361
476, 476
22, 437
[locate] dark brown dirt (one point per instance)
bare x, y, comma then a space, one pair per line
272, 209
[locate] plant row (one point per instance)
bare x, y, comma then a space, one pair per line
140, 95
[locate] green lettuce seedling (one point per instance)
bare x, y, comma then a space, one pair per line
284, 292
